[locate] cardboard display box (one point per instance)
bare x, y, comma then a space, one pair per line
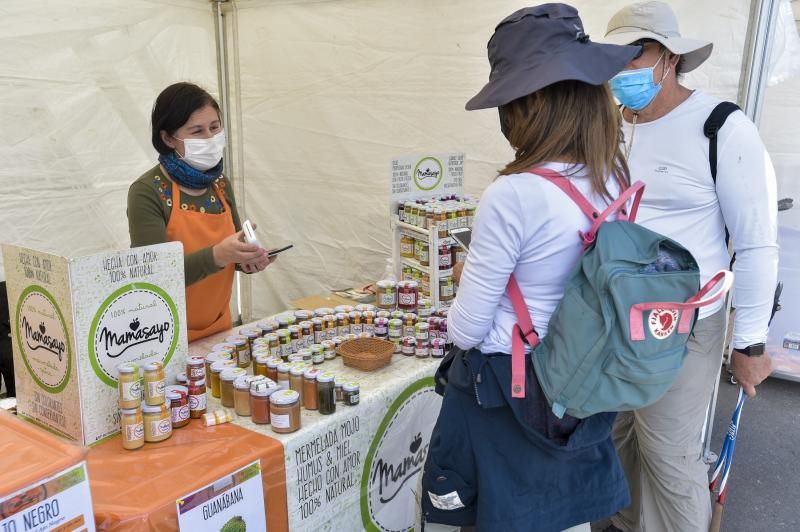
75, 320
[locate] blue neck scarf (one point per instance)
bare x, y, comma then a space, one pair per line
187, 176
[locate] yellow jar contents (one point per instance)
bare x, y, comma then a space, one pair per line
226, 378
215, 356
260, 365
130, 387
157, 423
154, 385
132, 428
217, 368
285, 411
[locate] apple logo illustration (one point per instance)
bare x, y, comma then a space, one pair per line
134, 324
42, 328
415, 444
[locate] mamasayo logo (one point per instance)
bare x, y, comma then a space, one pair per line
428, 173
42, 339
137, 323
396, 458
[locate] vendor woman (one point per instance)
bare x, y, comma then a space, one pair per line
186, 198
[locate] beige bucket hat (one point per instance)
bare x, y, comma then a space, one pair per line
657, 21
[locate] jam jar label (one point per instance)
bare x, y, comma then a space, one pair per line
134, 432
407, 300
180, 413
197, 402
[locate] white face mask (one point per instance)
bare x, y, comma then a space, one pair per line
202, 154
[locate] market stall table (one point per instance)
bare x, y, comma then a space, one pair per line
357, 468
138, 490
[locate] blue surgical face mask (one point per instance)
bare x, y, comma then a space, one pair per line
636, 89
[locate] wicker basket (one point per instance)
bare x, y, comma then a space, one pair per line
366, 354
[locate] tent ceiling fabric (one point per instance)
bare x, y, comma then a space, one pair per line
331, 91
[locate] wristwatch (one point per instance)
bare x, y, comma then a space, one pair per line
755, 350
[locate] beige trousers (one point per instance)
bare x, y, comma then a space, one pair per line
660, 446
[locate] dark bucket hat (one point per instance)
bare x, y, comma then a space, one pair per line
541, 45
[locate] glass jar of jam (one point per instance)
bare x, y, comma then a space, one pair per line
356, 326
302, 315
274, 343
310, 398
352, 393
424, 309
132, 428
445, 257
307, 330
422, 350
225, 346
296, 379
130, 387
216, 369
179, 408
318, 325
386, 294
407, 246
283, 375
260, 364
342, 324
409, 323
409, 346
368, 322
215, 356
330, 326
423, 254
195, 368
241, 395
329, 350
285, 411
272, 368
326, 395
197, 398
441, 222
227, 377
381, 328
285, 343
157, 423
295, 335
242, 346
446, 289
154, 384
407, 296
395, 329
317, 354
437, 348
259, 400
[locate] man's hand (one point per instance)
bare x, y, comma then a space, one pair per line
750, 371
458, 268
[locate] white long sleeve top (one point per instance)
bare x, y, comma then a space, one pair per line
528, 226
680, 201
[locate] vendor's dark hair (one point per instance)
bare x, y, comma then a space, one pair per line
173, 108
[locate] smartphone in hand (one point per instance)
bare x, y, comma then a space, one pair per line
275, 252
463, 236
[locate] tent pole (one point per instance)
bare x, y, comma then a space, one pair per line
241, 301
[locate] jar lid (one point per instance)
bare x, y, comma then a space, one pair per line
284, 397
237, 341
355, 314
311, 374
152, 409
282, 333
177, 388
129, 411
153, 366
273, 363
221, 365
216, 356
173, 395
284, 367
201, 382
328, 344
295, 357
263, 388
306, 351
386, 284
181, 377
231, 374
395, 323
365, 308
249, 333
225, 346
323, 311
263, 358
128, 367
298, 370
344, 308
351, 386
195, 361
408, 284
317, 348
243, 382
326, 376
410, 316
422, 326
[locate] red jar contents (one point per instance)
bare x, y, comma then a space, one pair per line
407, 296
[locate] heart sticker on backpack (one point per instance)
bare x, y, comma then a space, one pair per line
662, 322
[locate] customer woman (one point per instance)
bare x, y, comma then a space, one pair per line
494, 461
185, 198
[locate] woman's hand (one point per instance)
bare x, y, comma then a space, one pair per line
233, 250
258, 265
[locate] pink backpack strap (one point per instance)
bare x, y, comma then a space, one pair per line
723, 278
618, 206
523, 331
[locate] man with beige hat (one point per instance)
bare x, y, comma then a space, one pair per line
695, 189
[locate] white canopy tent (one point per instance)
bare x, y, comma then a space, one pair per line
320, 95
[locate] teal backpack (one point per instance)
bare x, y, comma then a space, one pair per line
617, 339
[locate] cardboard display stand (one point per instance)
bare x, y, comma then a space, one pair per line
75, 320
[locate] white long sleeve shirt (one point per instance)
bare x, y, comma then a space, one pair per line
680, 201
528, 226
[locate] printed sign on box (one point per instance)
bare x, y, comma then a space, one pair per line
234, 503
59, 503
75, 320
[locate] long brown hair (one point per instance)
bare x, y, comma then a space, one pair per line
568, 120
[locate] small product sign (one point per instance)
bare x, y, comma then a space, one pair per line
61, 503
234, 503
426, 176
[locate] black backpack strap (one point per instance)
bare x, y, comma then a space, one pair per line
711, 128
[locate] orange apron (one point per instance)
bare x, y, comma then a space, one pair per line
208, 308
